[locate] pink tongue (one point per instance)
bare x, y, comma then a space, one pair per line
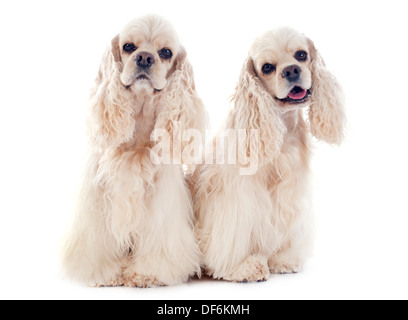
297, 95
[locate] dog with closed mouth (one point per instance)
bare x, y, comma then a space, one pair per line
134, 220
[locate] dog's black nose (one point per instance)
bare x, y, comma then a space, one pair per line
291, 73
145, 60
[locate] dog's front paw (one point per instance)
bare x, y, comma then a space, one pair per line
280, 267
141, 281
110, 284
253, 269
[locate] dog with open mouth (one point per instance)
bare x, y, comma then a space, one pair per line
254, 225
284, 69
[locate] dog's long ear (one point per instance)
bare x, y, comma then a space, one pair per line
116, 53
326, 114
111, 120
184, 112
255, 109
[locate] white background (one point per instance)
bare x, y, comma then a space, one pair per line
49, 57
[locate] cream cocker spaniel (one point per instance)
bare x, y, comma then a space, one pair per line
253, 225
134, 221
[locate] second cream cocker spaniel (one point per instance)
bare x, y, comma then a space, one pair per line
249, 226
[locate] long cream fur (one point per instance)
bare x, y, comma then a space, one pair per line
251, 226
133, 224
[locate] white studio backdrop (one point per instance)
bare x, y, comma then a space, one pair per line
49, 57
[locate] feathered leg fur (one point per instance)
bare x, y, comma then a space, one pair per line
249, 226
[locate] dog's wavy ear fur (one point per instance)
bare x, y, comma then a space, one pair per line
116, 53
255, 109
326, 113
111, 120
184, 109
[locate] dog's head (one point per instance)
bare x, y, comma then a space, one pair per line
144, 73
288, 74
145, 53
282, 60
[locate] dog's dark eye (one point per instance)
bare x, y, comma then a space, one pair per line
165, 54
301, 56
129, 47
268, 68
